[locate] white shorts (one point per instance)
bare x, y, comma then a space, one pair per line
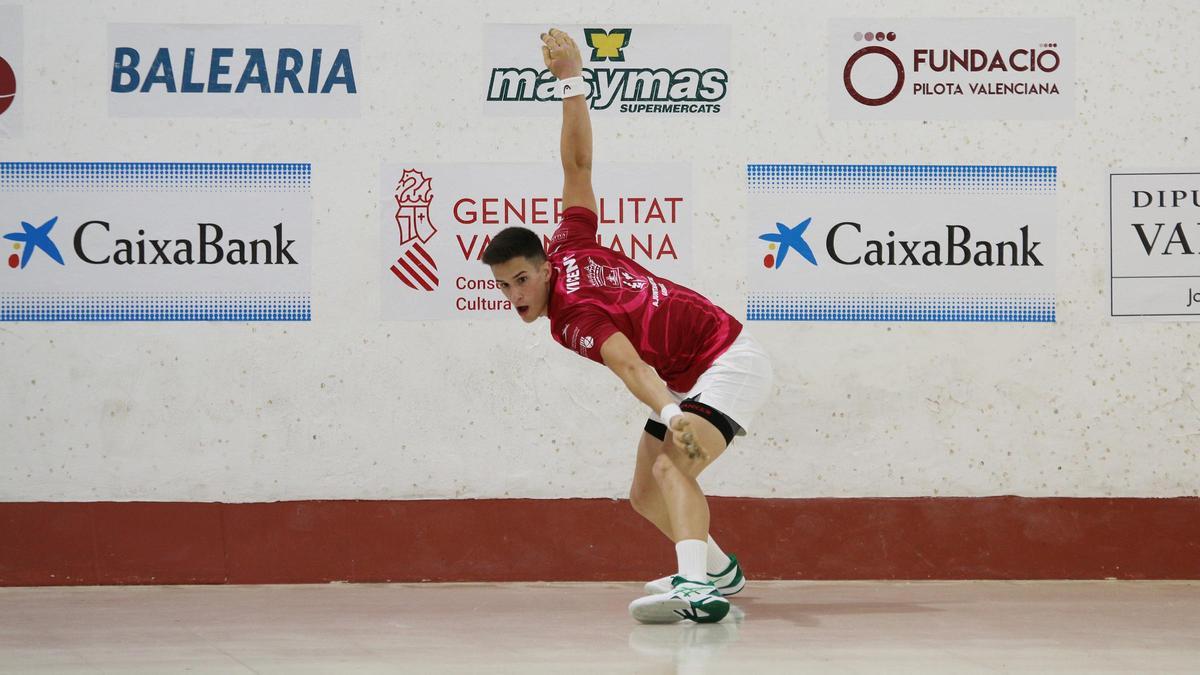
737, 384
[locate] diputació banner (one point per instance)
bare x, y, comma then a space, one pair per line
1155, 245
437, 218
120, 241
984, 68
645, 70
11, 47
841, 242
196, 70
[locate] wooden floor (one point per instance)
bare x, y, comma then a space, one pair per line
777, 627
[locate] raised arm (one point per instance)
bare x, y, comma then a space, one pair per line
562, 57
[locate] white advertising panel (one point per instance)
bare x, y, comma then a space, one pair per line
436, 219
155, 242
830, 242
643, 70
888, 69
197, 70
1155, 242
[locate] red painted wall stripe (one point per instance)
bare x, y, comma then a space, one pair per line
592, 539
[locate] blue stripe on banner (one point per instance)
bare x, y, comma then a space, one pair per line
768, 178
154, 176
807, 307
155, 308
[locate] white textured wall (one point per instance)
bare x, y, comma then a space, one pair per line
351, 407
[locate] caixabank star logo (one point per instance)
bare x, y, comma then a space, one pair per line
33, 238
415, 266
628, 76
786, 239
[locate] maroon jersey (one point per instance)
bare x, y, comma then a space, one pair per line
596, 291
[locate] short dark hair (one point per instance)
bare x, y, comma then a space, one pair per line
512, 242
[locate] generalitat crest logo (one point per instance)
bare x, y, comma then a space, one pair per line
786, 239
415, 267
30, 239
607, 45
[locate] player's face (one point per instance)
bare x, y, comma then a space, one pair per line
526, 285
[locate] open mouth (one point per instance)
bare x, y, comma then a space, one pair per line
521, 309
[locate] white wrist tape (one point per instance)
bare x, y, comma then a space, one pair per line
669, 412
572, 86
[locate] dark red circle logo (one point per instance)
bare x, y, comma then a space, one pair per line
886, 98
8, 85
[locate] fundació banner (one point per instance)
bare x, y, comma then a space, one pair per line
196, 70
838, 242
119, 241
1155, 244
881, 69
645, 70
436, 219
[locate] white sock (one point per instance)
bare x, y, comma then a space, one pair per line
717, 559
692, 554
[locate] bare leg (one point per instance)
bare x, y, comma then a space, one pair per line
665, 490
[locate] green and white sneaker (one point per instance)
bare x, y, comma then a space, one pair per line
729, 581
689, 600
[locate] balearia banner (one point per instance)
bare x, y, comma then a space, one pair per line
197, 70
838, 242
118, 241
645, 70
436, 219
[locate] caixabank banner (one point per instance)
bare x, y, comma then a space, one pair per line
882, 69
1155, 244
849, 242
437, 218
643, 70
119, 241
198, 70
11, 84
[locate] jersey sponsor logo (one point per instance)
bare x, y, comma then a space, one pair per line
415, 266
611, 277
572, 271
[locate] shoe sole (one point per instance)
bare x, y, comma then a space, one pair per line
670, 610
663, 610
651, 589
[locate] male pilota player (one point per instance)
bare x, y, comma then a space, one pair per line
686, 358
